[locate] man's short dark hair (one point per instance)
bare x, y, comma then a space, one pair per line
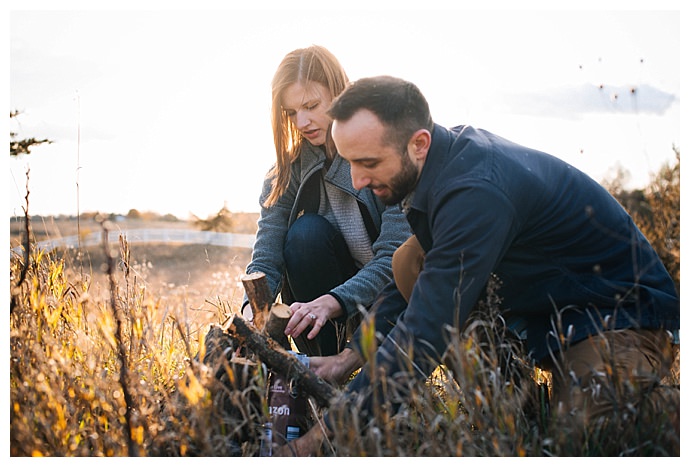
397, 103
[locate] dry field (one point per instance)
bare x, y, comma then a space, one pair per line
196, 274
106, 363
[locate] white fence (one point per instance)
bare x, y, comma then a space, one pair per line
152, 236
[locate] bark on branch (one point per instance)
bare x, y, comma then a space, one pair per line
281, 361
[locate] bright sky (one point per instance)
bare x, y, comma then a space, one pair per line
167, 110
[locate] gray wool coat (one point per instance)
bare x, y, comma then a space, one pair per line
388, 224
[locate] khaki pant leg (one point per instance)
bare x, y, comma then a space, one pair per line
408, 261
623, 366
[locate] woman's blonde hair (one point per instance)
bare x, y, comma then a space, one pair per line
313, 64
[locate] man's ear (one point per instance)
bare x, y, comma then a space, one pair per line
419, 144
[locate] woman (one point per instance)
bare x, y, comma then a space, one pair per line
324, 246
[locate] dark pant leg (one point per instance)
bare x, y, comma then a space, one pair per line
317, 260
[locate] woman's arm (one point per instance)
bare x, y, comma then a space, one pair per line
363, 287
267, 254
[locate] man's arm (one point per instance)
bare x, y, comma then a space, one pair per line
337, 368
387, 307
306, 445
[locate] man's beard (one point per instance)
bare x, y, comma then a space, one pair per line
402, 183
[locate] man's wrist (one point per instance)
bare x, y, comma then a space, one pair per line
350, 359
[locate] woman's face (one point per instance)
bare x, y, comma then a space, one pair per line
306, 107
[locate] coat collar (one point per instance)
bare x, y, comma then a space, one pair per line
433, 166
313, 158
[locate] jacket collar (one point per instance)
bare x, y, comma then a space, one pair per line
313, 158
433, 166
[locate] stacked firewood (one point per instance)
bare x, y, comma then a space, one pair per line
242, 343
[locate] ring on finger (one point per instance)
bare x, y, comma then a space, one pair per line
312, 316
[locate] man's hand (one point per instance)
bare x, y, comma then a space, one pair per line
313, 314
306, 445
337, 368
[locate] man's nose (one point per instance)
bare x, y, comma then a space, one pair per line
359, 180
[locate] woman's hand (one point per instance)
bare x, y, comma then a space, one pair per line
313, 314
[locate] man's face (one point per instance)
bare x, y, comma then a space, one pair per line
381, 167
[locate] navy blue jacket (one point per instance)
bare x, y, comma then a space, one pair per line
559, 243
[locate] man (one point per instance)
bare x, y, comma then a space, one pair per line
574, 270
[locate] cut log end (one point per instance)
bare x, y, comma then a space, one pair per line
281, 310
253, 276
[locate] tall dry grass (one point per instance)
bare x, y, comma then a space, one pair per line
113, 373
115, 370
71, 397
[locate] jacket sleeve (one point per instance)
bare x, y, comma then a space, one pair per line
385, 311
363, 287
273, 222
468, 241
